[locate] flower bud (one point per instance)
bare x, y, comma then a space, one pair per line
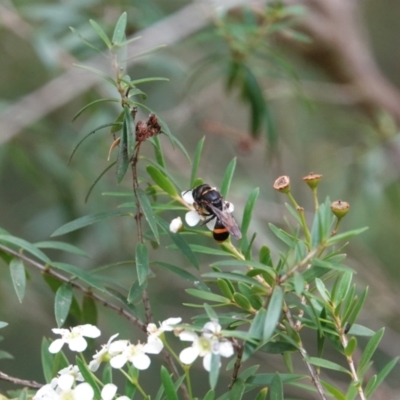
340, 208
175, 225
312, 179
282, 184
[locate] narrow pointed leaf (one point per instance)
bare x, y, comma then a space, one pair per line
69, 248
136, 291
248, 211
227, 179
370, 348
384, 372
84, 108
131, 131
123, 159
320, 362
18, 277
23, 244
168, 384
87, 43
273, 313
196, 161
119, 31
235, 277
180, 243
161, 180
87, 220
101, 33
210, 395
62, 303
207, 296
142, 262
276, 389
47, 360
344, 236
88, 377
97, 72
148, 213
214, 371
97, 180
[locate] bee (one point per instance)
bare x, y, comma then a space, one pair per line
210, 203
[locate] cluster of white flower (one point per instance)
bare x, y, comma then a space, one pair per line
119, 352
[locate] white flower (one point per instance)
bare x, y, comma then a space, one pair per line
74, 337
154, 344
72, 370
61, 389
103, 355
132, 353
175, 225
205, 345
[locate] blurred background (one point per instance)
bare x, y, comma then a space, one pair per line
291, 88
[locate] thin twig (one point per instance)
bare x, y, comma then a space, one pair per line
303, 352
21, 382
88, 292
238, 363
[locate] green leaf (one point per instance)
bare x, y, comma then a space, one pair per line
322, 290
344, 236
381, 376
342, 287
89, 310
136, 291
262, 394
119, 31
97, 72
5, 355
142, 262
276, 389
69, 248
184, 274
207, 296
148, 213
265, 256
322, 223
257, 325
26, 246
248, 211
359, 330
103, 100
92, 186
158, 150
282, 235
245, 263
320, 362
18, 277
168, 384
225, 288
227, 179
210, 312
277, 347
351, 346
123, 159
91, 133
273, 313
107, 374
62, 303
242, 301
357, 309
47, 360
131, 131
86, 42
196, 161
180, 243
336, 393
210, 395
87, 220
161, 180
23, 394
266, 379
88, 376
214, 370
370, 349
164, 171
101, 33
235, 277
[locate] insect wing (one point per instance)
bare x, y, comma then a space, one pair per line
227, 220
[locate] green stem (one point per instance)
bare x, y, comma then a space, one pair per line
171, 351
136, 384
300, 210
315, 197
188, 381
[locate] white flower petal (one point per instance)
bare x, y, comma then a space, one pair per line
108, 391
46, 392
192, 218
123, 398
94, 365
188, 197
229, 206
168, 324
77, 344
176, 225
212, 327
141, 361
90, 331
56, 346
226, 349
62, 332
152, 328
154, 345
83, 392
207, 362
118, 346
188, 336
188, 355
65, 382
118, 361
112, 338
211, 224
